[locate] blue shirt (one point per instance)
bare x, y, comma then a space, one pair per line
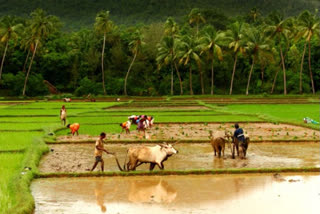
238, 133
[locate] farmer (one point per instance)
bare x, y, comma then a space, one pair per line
238, 133
74, 128
133, 119
63, 114
141, 124
126, 126
98, 152
150, 120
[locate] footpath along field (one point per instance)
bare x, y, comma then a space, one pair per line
29, 129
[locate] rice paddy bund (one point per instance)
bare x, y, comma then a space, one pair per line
36, 151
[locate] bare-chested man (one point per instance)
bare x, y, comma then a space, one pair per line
98, 152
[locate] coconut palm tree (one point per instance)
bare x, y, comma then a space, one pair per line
257, 44
308, 26
103, 25
210, 43
166, 56
168, 46
42, 25
187, 55
234, 36
195, 16
277, 28
254, 14
9, 30
134, 46
171, 28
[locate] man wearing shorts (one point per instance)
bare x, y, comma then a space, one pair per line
98, 152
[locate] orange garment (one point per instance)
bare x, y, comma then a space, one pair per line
124, 125
74, 127
149, 118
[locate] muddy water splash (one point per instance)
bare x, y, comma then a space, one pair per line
78, 158
180, 194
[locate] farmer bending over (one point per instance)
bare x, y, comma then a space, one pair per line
126, 126
238, 133
74, 128
63, 114
98, 152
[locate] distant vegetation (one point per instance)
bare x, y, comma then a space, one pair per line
79, 13
205, 51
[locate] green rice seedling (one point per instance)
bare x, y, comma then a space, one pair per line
17, 140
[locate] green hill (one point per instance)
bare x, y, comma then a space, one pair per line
78, 13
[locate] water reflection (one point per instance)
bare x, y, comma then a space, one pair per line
204, 194
150, 191
100, 193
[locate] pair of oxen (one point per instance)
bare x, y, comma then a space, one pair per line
219, 140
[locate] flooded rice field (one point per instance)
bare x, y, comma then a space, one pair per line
201, 194
80, 157
200, 131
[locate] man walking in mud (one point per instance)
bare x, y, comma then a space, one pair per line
99, 150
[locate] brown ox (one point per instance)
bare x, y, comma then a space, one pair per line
218, 144
241, 148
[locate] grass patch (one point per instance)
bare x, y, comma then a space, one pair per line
152, 113
178, 172
16, 141
164, 118
10, 167
93, 130
71, 105
287, 113
23, 127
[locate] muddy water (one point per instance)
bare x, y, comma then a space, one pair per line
263, 194
79, 157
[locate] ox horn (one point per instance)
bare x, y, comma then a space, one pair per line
175, 143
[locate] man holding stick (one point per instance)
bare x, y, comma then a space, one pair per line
99, 150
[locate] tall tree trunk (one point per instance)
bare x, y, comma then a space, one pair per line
311, 76
125, 80
26, 62
262, 75
233, 72
171, 78
201, 80
212, 75
3, 58
197, 29
249, 78
29, 69
301, 67
190, 80
274, 81
102, 63
179, 77
284, 72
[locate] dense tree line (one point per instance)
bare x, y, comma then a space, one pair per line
80, 13
208, 53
